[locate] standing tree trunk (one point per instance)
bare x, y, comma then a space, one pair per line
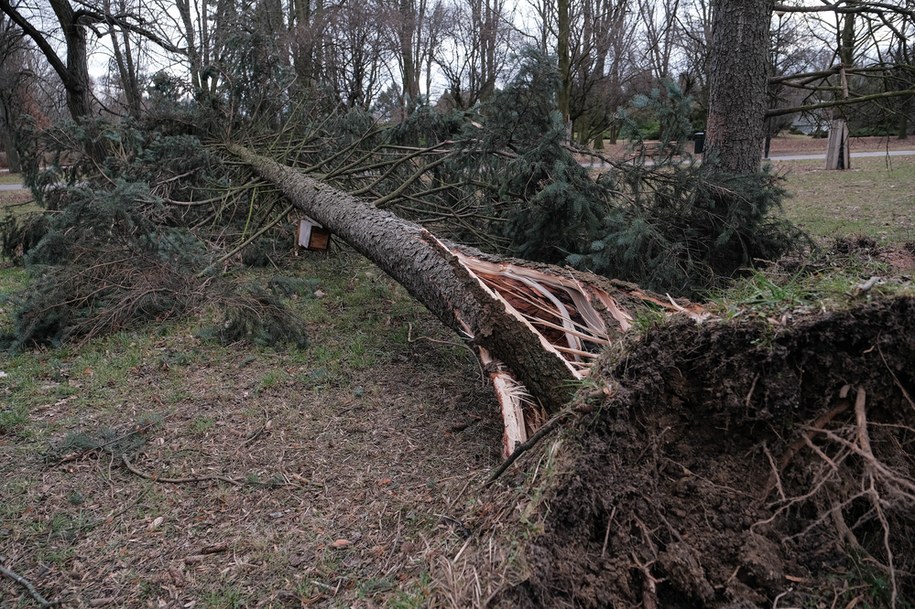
737, 85
8, 142
565, 63
74, 74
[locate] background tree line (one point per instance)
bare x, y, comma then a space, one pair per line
264, 56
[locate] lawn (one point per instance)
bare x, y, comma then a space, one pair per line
876, 198
10, 178
319, 475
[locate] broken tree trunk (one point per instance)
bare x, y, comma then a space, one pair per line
545, 323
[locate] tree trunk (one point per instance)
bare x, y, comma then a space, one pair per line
76, 78
9, 147
546, 324
737, 85
8, 140
429, 271
74, 74
565, 63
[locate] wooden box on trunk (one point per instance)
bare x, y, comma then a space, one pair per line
312, 235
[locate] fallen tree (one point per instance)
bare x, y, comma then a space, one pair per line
537, 328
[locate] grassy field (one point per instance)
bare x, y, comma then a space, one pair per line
875, 198
10, 178
154, 468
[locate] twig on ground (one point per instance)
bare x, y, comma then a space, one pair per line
523, 448
7, 572
255, 435
130, 466
450, 343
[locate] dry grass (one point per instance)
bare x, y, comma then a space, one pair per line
350, 461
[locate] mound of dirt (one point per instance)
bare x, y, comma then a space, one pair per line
741, 465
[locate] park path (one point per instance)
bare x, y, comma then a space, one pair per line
854, 155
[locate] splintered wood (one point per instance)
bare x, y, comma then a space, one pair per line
537, 328
573, 320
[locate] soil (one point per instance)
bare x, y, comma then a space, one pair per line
740, 465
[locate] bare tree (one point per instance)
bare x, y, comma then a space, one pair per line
417, 30
603, 61
659, 20
737, 72
73, 26
12, 72
359, 53
477, 51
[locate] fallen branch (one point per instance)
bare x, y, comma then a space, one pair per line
30, 588
135, 470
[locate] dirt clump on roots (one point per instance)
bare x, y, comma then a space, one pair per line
740, 464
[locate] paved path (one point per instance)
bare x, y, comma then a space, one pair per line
11, 186
854, 155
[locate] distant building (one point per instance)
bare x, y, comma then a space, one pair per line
809, 123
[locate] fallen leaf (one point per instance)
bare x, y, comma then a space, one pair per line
341, 543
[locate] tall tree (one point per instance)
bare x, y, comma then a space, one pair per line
72, 26
602, 59
12, 71
73, 71
478, 50
417, 30
563, 51
737, 85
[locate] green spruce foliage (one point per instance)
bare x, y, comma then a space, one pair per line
661, 220
119, 249
554, 205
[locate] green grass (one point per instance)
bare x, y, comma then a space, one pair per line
10, 178
876, 198
773, 294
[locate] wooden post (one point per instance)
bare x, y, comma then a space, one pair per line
837, 153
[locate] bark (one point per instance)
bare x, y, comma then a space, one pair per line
9, 147
546, 324
76, 79
737, 85
74, 74
565, 61
429, 271
8, 140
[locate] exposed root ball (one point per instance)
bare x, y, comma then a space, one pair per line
742, 465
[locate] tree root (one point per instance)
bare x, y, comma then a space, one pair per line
849, 473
